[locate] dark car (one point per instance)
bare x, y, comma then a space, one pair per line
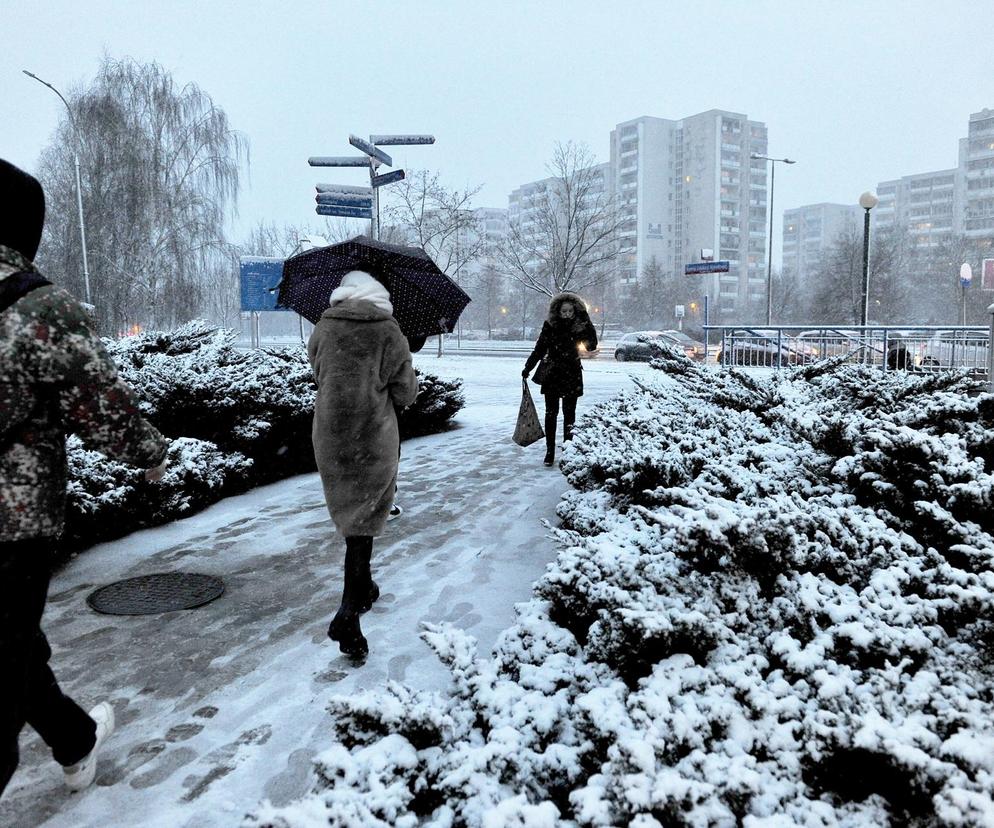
644, 345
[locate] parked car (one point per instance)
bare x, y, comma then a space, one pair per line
759, 349
643, 345
956, 349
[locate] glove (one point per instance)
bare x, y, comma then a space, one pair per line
525, 373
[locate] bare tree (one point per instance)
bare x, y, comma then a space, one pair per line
488, 290
837, 295
161, 175
564, 234
440, 221
650, 302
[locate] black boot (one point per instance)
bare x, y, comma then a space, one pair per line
550, 440
368, 590
344, 627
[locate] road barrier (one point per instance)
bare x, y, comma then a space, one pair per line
892, 347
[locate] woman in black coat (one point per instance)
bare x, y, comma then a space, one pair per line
561, 375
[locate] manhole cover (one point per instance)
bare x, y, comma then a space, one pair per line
149, 594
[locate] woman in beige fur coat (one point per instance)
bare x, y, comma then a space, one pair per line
362, 364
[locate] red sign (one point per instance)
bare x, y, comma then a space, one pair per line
987, 275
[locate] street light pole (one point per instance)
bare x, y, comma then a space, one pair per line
867, 201
79, 188
769, 251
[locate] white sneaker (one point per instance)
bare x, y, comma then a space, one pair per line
82, 774
395, 512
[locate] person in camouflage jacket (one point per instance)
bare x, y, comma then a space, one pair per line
55, 378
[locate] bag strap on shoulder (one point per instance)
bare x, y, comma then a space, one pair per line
18, 286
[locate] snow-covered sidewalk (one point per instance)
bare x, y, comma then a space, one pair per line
224, 705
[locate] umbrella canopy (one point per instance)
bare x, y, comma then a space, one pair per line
425, 301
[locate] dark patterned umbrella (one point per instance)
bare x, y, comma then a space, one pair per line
425, 300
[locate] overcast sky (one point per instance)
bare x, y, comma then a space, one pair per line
856, 92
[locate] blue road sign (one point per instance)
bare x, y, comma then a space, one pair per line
259, 275
370, 150
388, 178
345, 199
344, 212
696, 268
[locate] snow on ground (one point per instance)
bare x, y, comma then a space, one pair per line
221, 706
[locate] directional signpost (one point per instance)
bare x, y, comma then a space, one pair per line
362, 202
370, 150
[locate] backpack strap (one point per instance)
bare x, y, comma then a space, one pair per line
18, 286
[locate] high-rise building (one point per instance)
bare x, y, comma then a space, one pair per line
690, 185
809, 231
923, 207
976, 177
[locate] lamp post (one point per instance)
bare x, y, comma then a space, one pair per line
769, 252
965, 277
79, 189
867, 201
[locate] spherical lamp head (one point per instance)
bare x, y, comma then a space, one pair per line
868, 200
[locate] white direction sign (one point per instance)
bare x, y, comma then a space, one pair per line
401, 140
370, 150
343, 188
338, 161
358, 199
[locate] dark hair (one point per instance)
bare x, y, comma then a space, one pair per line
22, 210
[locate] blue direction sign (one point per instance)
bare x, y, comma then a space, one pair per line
370, 150
258, 276
344, 212
345, 199
387, 178
696, 268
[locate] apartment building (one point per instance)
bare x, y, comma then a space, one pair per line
924, 206
976, 177
491, 224
690, 184
808, 231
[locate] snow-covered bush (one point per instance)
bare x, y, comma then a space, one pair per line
773, 605
237, 419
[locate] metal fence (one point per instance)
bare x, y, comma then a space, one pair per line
923, 349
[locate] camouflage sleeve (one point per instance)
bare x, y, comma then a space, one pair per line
96, 406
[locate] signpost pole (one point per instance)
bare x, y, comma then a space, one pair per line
374, 221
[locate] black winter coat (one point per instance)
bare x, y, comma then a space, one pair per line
558, 343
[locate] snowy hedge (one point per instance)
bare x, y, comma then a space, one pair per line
236, 419
773, 605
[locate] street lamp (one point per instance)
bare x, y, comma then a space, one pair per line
79, 190
769, 252
965, 277
867, 201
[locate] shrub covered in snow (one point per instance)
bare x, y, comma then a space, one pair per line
236, 418
774, 605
